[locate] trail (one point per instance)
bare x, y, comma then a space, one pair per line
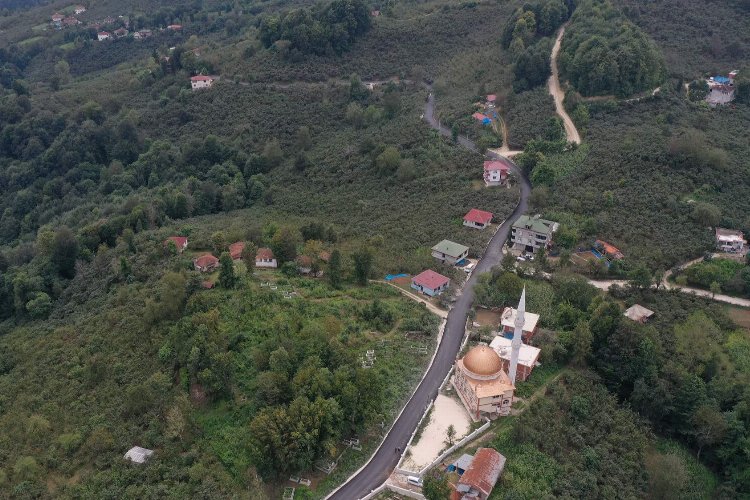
377, 470
558, 95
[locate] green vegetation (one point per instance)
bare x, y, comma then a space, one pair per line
530, 115
730, 275
603, 53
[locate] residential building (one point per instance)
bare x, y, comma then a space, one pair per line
482, 385
138, 455
607, 250
141, 34
70, 21
79, 9
496, 173
304, 264
181, 242
729, 240
478, 219
103, 35
57, 18
264, 258
235, 250
481, 476
202, 82
430, 283
529, 234
528, 356
206, 263
638, 313
450, 252
461, 465
174, 27
485, 120
491, 98
508, 323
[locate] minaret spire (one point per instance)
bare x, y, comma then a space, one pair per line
517, 337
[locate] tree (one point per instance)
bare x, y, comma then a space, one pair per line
715, 288
363, 259
706, 214
581, 344
334, 269
248, 256
284, 244
227, 279
641, 277
304, 139
218, 242
272, 153
450, 435
64, 252
39, 306
710, 427
388, 161
435, 486
667, 476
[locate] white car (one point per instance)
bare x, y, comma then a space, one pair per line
468, 268
521, 258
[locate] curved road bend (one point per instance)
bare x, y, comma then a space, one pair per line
385, 459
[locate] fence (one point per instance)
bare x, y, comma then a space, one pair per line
456, 446
395, 489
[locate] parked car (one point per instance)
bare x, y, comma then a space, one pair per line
468, 268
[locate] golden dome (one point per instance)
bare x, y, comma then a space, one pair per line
482, 360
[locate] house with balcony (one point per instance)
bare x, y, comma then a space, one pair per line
529, 234
729, 240
496, 173
450, 252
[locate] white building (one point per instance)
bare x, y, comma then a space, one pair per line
79, 9
450, 252
508, 323
529, 234
638, 313
729, 240
528, 356
103, 35
202, 82
265, 258
495, 173
138, 455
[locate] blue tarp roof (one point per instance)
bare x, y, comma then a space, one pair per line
721, 79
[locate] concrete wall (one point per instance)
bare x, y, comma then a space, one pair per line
456, 446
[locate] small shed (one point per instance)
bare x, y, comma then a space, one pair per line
138, 455
638, 313
461, 465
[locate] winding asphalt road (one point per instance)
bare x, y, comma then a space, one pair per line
379, 468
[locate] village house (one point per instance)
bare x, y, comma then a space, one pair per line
201, 82
478, 219
491, 98
481, 476
264, 258
103, 35
483, 119
638, 313
482, 385
496, 173
528, 356
508, 321
529, 234
79, 9
141, 34
121, 32
174, 27
70, 21
304, 264
607, 250
57, 18
450, 252
138, 455
729, 240
206, 263
430, 283
180, 242
235, 250
721, 89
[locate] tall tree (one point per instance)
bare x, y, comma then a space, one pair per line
227, 278
362, 265
334, 269
64, 252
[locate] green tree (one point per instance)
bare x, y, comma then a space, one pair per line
581, 344
303, 140
435, 486
640, 277
248, 256
227, 278
284, 244
218, 242
64, 252
388, 161
334, 269
363, 259
450, 435
706, 214
39, 306
715, 288
26, 469
710, 427
272, 153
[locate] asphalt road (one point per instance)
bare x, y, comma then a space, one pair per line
377, 471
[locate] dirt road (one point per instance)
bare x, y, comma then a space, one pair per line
558, 95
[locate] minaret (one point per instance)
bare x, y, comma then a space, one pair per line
517, 337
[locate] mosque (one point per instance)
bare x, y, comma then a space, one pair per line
480, 380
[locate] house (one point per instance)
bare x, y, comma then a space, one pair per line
70, 21
729, 240
491, 98
206, 263
121, 32
732, 75
79, 9
375, 13
508, 321
478, 219
607, 250
264, 258
496, 173
201, 82
461, 465
638, 313
529, 234
103, 35
485, 469
181, 242
450, 252
304, 264
235, 250
485, 120
57, 18
138, 455
482, 385
430, 283
141, 34
528, 356
174, 27
109, 20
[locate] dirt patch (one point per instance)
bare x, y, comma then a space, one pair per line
488, 317
740, 316
402, 281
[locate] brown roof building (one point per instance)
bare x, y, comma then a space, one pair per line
479, 479
482, 385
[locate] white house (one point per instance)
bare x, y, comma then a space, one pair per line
202, 82
138, 455
478, 219
79, 9
496, 173
430, 283
450, 252
529, 234
638, 313
103, 35
508, 322
265, 258
729, 240
528, 356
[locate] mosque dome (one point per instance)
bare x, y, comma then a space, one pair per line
483, 361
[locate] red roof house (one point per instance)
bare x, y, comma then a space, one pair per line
496, 172
103, 35
265, 258
206, 263
174, 27
201, 81
491, 98
480, 117
608, 250
478, 219
304, 264
181, 242
430, 283
479, 479
57, 17
235, 250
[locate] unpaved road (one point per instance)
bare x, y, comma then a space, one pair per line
558, 95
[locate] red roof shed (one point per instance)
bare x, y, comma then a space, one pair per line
478, 216
430, 279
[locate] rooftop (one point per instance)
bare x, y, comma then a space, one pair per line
478, 216
508, 319
430, 279
450, 248
723, 234
202, 78
638, 313
205, 260
536, 224
489, 387
264, 254
482, 360
528, 355
235, 249
138, 455
496, 165
483, 472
